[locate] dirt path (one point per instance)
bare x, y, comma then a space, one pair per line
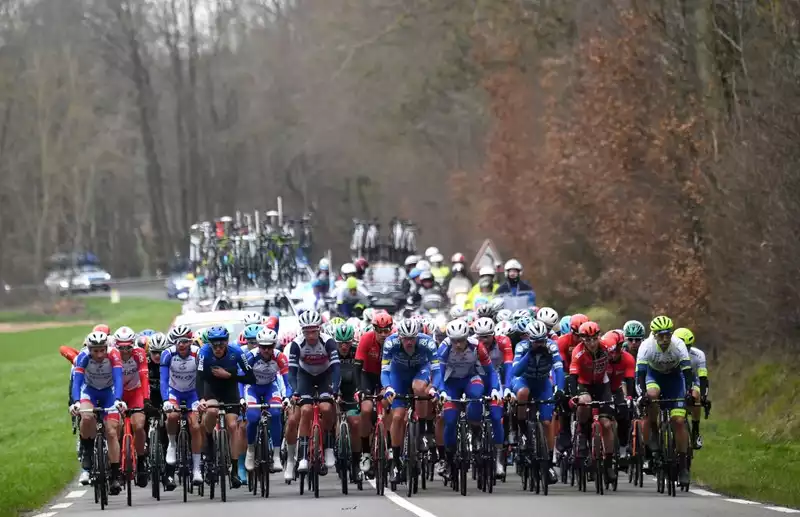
23, 326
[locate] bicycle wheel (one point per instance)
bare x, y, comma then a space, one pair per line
127, 471
183, 461
265, 460
380, 459
410, 449
598, 455
672, 462
221, 442
463, 460
535, 439
316, 458
154, 463
344, 451
543, 459
101, 469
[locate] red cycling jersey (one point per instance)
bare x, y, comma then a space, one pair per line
623, 369
502, 352
565, 343
590, 368
369, 353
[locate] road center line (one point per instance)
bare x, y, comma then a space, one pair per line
404, 503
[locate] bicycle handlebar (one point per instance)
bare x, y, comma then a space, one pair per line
534, 402
265, 406
223, 406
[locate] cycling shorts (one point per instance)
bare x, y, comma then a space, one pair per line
672, 386
401, 381
599, 393
262, 393
307, 382
224, 393
186, 397
538, 389
134, 399
101, 399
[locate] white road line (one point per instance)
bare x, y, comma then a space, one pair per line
404, 503
741, 501
60, 506
700, 491
782, 509
46, 514
75, 494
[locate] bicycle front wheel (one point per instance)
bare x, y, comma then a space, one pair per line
344, 453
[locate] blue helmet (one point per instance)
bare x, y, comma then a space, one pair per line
563, 325
520, 327
414, 273
216, 333
147, 332
251, 331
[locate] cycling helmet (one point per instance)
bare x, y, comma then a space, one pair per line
408, 328
287, 337
547, 316
324, 264
158, 343
414, 273
96, 340
589, 329
685, 335
336, 321
266, 337
661, 324
497, 304
124, 336
536, 331
252, 331
503, 315
382, 320
612, 340
521, 325
344, 333
425, 275
184, 332
513, 264
457, 312
217, 333
368, 313
252, 318
147, 332
485, 311
327, 328
102, 327
458, 258
272, 323
633, 329
502, 328
361, 264
564, 324
411, 260
310, 319
142, 342
484, 327
431, 251
348, 269
576, 321
519, 314
457, 329
423, 265
355, 323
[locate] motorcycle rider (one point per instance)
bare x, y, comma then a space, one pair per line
514, 284
486, 287
438, 269
458, 282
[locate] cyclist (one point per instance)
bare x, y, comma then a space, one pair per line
563, 325
623, 384
179, 363
344, 335
314, 361
466, 363
97, 379
271, 371
634, 335
368, 366
410, 364
549, 317
700, 384
136, 390
221, 366
514, 283
664, 369
589, 380
534, 360
247, 338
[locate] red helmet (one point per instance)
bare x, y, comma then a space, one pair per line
458, 258
102, 327
382, 320
576, 321
612, 340
361, 264
271, 323
589, 329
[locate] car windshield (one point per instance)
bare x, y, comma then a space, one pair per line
384, 274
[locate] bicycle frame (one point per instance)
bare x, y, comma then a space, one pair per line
128, 465
411, 443
264, 448
100, 467
534, 457
380, 448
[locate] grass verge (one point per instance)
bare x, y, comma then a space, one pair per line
88, 308
37, 449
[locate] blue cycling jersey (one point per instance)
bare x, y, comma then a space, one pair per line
536, 363
396, 358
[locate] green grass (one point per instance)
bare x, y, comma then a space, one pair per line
96, 309
737, 459
37, 449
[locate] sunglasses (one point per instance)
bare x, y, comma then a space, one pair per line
264, 347
458, 341
634, 340
125, 348
219, 344
380, 330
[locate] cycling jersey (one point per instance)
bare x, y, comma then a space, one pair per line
535, 364
566, 344
234, 362
154, 379
272, 370
698, 360
136, 385
502, 355
473, 361
590, 368
309, 364
349, 374
624, 369
399, 369
94, 381
368, 355
674, 357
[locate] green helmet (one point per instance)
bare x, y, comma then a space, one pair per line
344, 333
661, 324
633, 329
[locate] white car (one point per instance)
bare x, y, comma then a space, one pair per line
232, 320
82, 279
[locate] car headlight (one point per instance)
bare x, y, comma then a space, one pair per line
63, 284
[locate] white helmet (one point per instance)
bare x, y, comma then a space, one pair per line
267, 337
547, 316
457, 329
484, 327
252, 318
158, 343
513, 264
437, 259
486, 271
348, 269
96, 340
502, 328
424, 265
503, 315
124, 335
324, 264
310, 319
456, 312
408, 328
497, 303
536, 330
354, 322
431, 252
411, 260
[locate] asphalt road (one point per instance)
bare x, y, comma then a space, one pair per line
438, 501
